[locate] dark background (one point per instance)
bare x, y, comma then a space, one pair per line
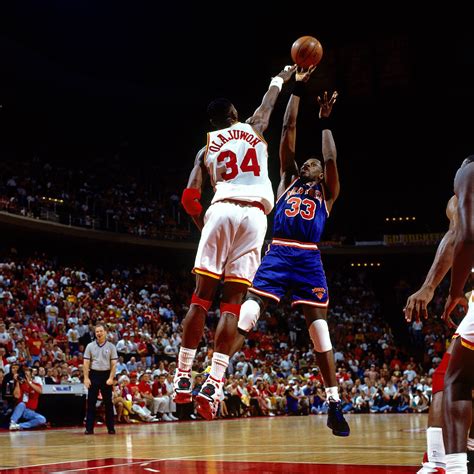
82, 79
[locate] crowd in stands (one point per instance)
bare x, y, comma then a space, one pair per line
96, 195
48, 312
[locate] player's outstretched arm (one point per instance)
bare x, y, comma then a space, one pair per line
261, 116
417, 303
288, 165
463, 254
331, 174
191, 196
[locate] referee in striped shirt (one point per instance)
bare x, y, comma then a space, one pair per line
100, 361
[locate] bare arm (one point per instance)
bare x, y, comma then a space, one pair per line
417, 302
288, 165
331, 174
463, 254
16, 390
113, 369
85, 369
261, 116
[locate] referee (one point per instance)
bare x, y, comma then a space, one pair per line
100, 361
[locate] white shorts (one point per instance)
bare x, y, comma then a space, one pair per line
231, 242
466, 329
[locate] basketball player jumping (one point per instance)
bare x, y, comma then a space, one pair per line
305, 198
459, 379
233, 229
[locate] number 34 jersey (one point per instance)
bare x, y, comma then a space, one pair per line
237, 161
300, 213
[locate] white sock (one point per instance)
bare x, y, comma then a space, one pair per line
220, 362
333, 393
470, 444
435, 445
186, 359
456, 463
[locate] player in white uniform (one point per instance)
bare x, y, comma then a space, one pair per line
233, 230
459, 379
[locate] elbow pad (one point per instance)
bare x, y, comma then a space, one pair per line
190, 201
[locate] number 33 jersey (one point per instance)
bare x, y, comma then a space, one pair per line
300, 213
237, 161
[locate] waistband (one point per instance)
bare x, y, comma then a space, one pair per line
99, 372
256, 204
295, 244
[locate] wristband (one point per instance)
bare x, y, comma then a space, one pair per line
299, 89
327, 123
277, 81
190, 201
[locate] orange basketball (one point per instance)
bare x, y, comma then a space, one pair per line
306, 52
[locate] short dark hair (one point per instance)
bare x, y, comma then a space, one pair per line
101, 325
469, 159
218, 109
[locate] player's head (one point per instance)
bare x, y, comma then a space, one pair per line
467, 160
222, 113
312, 170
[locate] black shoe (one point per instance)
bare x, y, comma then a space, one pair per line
87, 432
336, 421
112, 431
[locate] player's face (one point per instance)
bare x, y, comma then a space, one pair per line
311, 170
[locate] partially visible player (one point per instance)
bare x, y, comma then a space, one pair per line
416, 307
459, 379
305, 198
233, 229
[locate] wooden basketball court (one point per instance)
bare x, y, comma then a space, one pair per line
377, 444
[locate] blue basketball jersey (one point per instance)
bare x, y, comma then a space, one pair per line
300, 212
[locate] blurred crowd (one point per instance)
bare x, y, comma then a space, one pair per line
96, 195
48, 312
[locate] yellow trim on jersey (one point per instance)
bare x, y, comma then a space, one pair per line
207, 273
237, 280
467, 344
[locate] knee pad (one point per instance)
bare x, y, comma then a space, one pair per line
249, 314
204, 304
230, 308
319, 332
439, 373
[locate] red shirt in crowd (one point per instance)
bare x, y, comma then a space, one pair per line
29, 395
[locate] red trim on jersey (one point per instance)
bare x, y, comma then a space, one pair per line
264, 293
294, 243
202, 271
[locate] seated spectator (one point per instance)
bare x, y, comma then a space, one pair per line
27, 395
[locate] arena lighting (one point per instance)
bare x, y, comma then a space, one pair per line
45, 198
366, 264
393, 219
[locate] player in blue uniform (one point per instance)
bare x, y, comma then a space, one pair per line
293, 262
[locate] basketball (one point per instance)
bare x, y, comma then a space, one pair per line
306, 52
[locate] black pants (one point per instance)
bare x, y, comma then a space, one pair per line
98, 382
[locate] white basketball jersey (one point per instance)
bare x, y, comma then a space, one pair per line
237, 161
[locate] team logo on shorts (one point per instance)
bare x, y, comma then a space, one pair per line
319, 292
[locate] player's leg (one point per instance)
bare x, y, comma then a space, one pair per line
209, 395
319, 333
193, 328
435, 456
457, 405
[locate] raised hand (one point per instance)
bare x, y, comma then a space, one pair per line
303, 75
287, 72
326, 104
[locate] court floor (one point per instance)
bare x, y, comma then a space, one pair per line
377, 444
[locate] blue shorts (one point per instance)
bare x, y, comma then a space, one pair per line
297, 270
